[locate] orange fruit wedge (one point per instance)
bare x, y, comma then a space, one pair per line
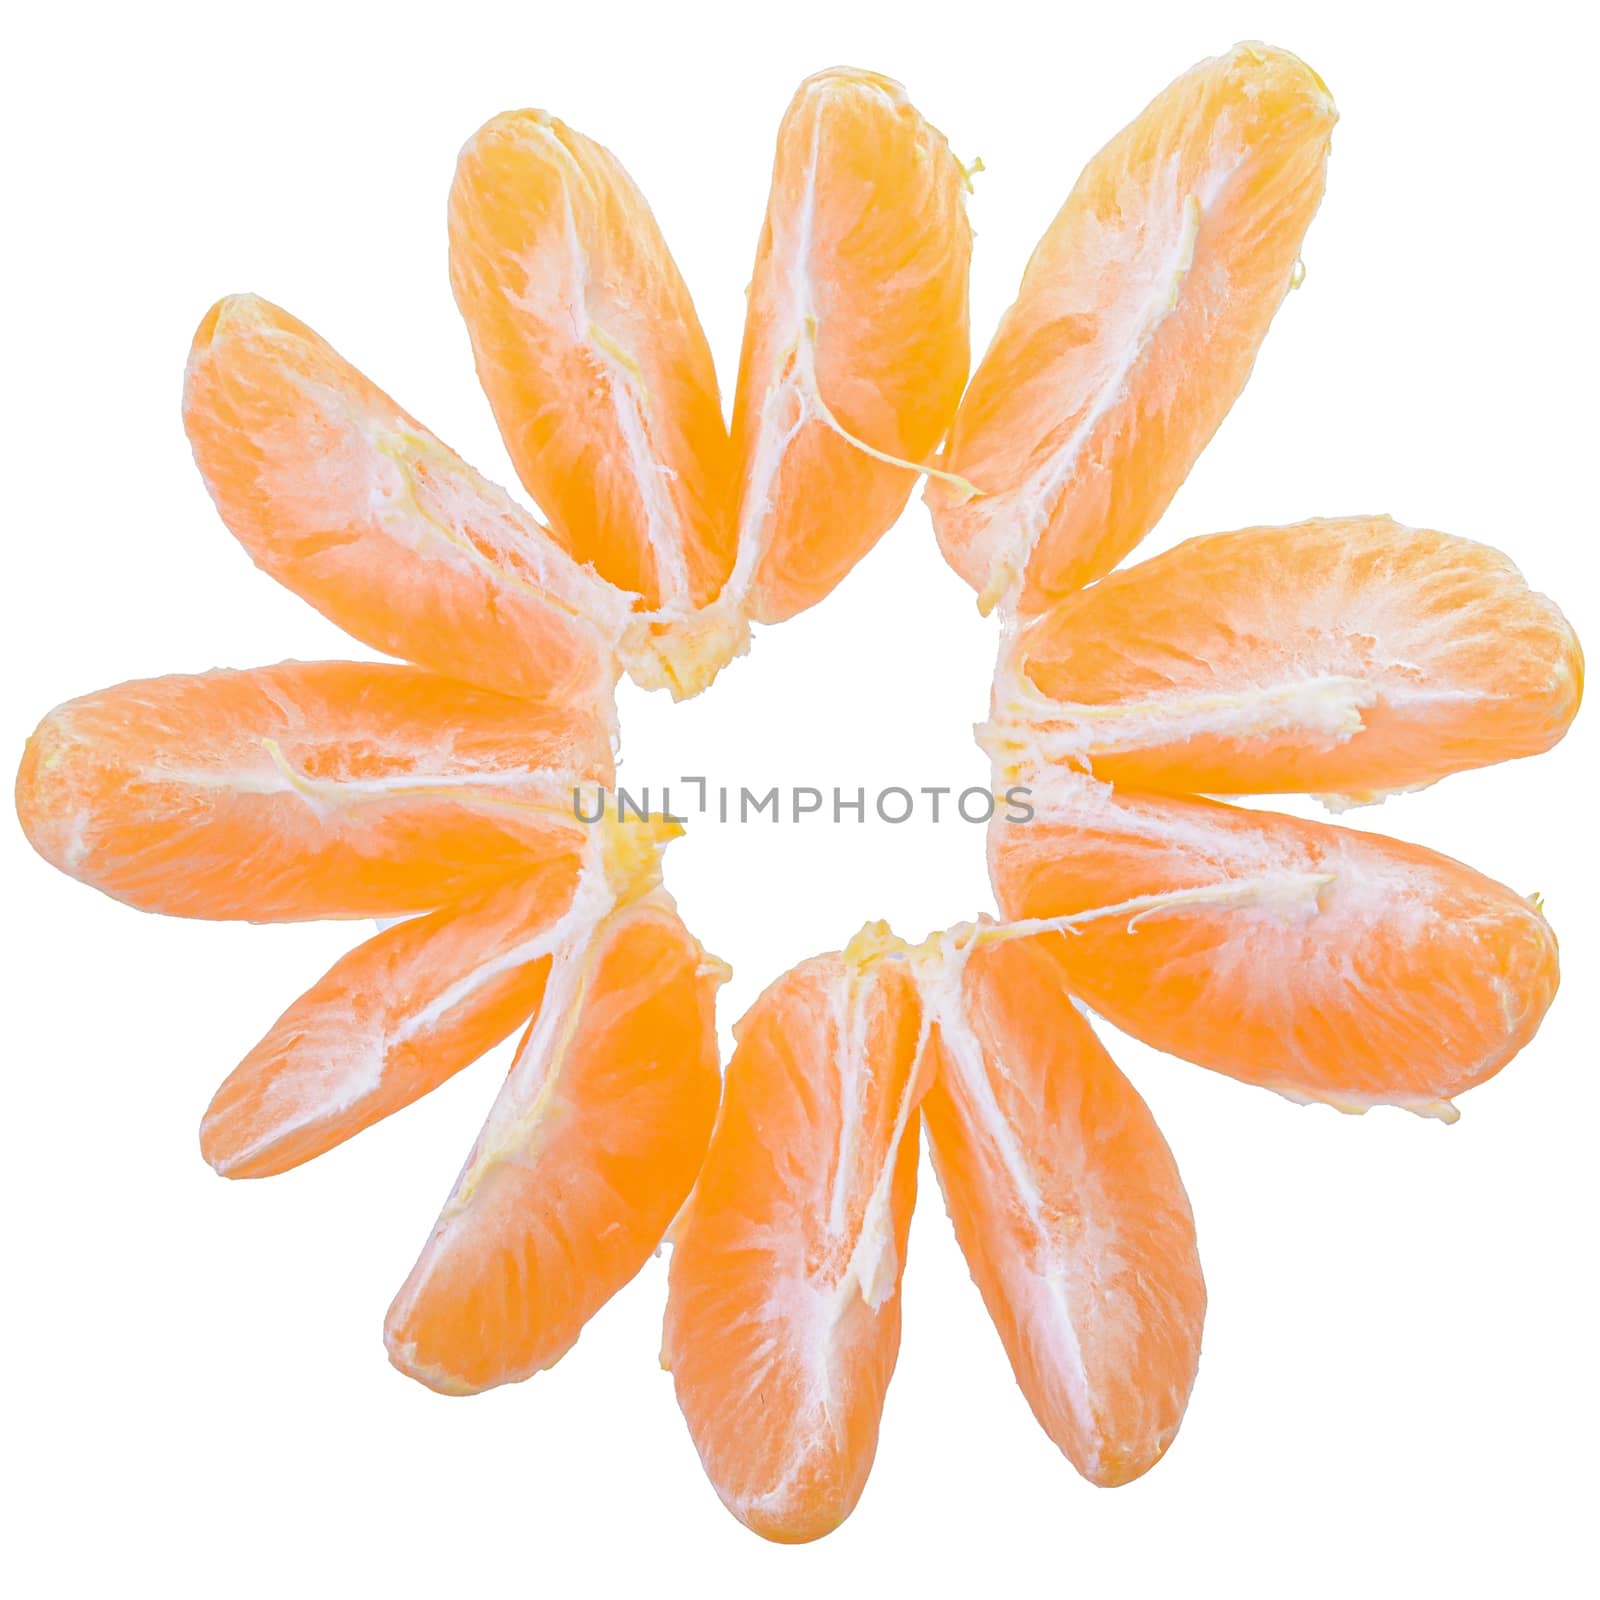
339, 495
855, 340
783, 1310
1068, 1206
1348, 657
309, 789
1135, 328
393, 1019
1326, 964
585, 1158
590, 351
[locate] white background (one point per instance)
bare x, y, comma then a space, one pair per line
1398, 1383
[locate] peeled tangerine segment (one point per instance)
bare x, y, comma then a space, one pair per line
308, 789
783, 1313
1135, 328
590, 351
855, 340
586, 1156
1323, 963
1068, 1206
342, 497
391, 1021
1347, 657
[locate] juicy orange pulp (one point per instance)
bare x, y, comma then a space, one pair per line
345, 499
309, 789
1135, 328
855, 342
1348, 657
1326, 964
783, 1318
590, 351
1068, 1206
667, 537
390, 1021
783, 1313
585, 1158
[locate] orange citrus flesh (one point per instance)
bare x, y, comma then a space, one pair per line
1135, 328
392, 1020
1348, 657
417, 1003
1068, 1207
339, 495
783, 1311
590, 351
855, 341
1326, 964
309, 789
586, 1156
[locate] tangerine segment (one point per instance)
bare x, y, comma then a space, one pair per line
1135, 328
1069, 1209
1349, 657
590, 351
1323, 963
390, 1021
587, 1155
308, 789
339, 495
783, 1312
409, 1008
855, 340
